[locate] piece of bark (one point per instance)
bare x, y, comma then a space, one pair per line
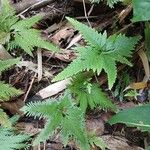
118, 143
53, 89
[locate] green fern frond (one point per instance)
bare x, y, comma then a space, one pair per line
21, 32
76, 128
4, 120
41, 109
7, 16
49, 128
27, 39
89, 95
7, 91
26, 23
11, 141
110, 3
59, 114
97, 141
6, 8
101, 53
5, 64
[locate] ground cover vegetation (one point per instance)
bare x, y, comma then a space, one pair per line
101, 54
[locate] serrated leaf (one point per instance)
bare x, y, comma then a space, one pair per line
110, 3
76, 128
59, 114
7, 16
27, 39
101, 53
98, 141
4, 120
132, 93
21, 32
4, 37
5, 64
41, 109
130, 117
26, 23
49, 128
94, 98
109, 66
141, 10
7, 91
10, 141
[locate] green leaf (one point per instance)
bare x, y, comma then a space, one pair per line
110, 3
41, 109
98, 141
11, 141
60, 114
110, 69
21, 32
101, 53
94, 98
4, 37
26, 23
49, 129
7, 91
72, 127
137, 117
7, 16
27, 39
5, 64
132, 93
4, 120
147, 39
141, 10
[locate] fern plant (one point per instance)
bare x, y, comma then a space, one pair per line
100, 53
88, 94
96, 141
4, 119
19, 33
11, 141
60, 114
110, 3
7, 91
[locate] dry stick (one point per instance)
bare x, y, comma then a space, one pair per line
39, 59
30, 87
30, 8
90, 11
21, 6
85, 13
124, 28
44, 145
86, 1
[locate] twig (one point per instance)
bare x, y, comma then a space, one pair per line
124, 28
32, 4
39, 59
85, 13
90, 11
31, 83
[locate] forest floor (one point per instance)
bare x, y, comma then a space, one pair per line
34, 75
